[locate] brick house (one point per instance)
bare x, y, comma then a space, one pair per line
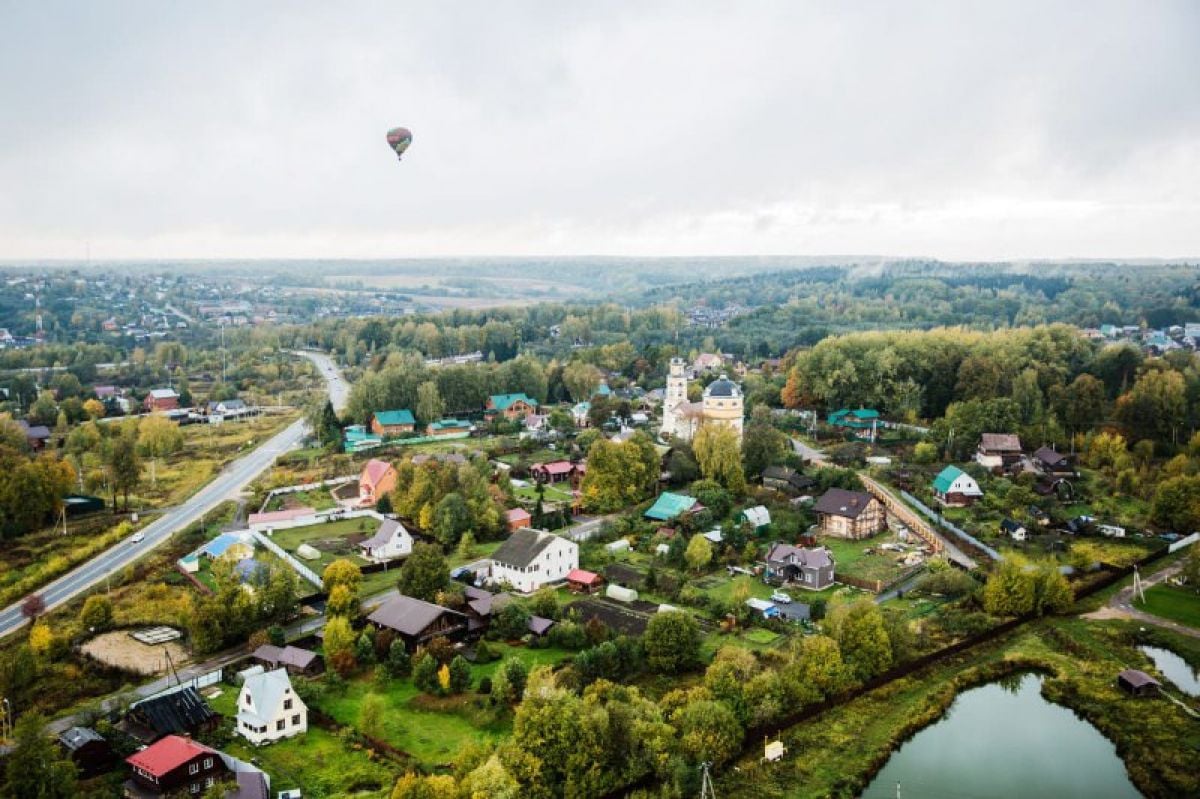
161, 399
517, 519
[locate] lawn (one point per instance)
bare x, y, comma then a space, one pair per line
1174, 603
430, 729
553, 493
319, 762
864, 559
328, 538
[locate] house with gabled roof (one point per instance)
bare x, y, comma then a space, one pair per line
296, 660
998, 452
390, 542
392, 423
863, 423
1052, 463
416, 622
511, 406
849, 514
269, 709
174, 765
181, 712
529, 559
87, 749
161, 399
955, 488
378, 477
516, 519
449, 428
811, 568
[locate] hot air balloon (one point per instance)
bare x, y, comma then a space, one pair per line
399, 139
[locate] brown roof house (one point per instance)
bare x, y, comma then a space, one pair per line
849, 514
806, 568
417, 622
297, 661
1052, 463
999, 452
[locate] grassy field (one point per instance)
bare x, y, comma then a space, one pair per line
206, 450
560, 492
433, 729
1174, 603
319, 762
318, 498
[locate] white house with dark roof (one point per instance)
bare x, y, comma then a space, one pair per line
391, 541
529, 559
269, 710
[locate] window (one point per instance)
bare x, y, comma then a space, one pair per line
296, 720
248, 702
208, 782
279, 724
195, 787
193, 768
207, 763
287, 704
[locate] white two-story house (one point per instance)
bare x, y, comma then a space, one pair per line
532, 558
269, 710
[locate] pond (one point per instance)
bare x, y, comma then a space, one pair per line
1174, 668
1004, 740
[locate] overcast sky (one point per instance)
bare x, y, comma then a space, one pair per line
256, 129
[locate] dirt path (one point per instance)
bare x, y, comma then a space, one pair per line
1121, 605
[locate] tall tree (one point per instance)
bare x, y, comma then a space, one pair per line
430, 406
36, 768
762, 445
720, 457
424, 572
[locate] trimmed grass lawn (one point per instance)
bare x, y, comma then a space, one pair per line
483, 550
554, 493
319, 763
1174, 603
328, 538
318, 498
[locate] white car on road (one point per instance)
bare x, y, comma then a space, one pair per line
137, 537
780, 597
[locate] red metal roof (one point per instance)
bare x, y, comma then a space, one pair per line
516, 513
582, 576
167, 754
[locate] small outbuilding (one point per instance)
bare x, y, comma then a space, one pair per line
621, 593
581, 581
1138, 683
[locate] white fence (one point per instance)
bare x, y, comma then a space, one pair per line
330, 483
300, 568
1184, 542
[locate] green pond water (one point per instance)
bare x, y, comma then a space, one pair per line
1004, 741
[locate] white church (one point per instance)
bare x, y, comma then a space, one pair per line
722, 403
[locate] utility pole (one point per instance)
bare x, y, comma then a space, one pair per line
1139, 591
706, 787
897, 789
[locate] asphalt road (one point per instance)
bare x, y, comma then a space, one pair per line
230, 482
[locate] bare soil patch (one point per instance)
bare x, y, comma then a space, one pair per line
118, 649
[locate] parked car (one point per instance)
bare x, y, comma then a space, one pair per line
780, 597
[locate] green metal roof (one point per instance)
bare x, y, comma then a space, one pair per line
855, 418
669, 505
389, 418
946, 478
501, 402
449, 424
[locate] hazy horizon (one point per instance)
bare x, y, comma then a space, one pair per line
1015, 132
